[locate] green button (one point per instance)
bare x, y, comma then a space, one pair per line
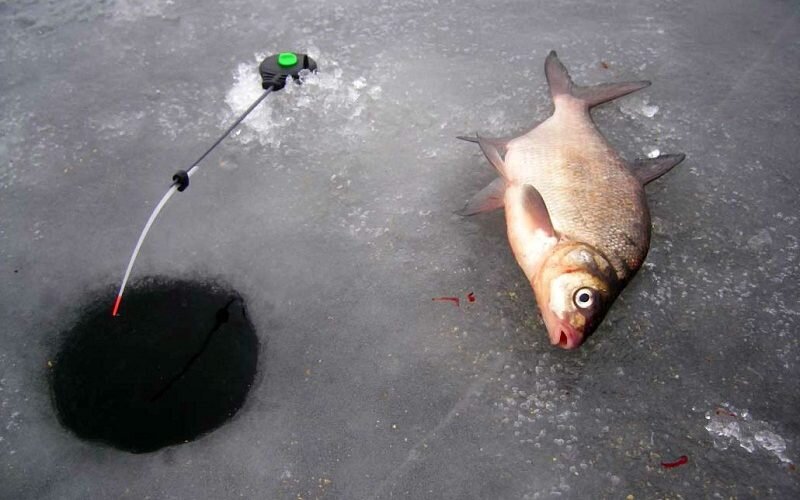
287, 59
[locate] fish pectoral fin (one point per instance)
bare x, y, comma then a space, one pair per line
650, 169
537, 217
560, 84
487, 199
500, 143
492, 154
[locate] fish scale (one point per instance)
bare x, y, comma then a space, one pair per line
591, 195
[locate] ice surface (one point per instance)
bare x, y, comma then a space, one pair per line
332, 211
135, 10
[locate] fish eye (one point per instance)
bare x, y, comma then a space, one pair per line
584, 298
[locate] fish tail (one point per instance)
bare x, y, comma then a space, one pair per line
561, 85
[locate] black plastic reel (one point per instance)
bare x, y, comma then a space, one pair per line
275, 69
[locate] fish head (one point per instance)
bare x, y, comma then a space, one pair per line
575, 287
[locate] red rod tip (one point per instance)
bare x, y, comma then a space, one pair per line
116, 305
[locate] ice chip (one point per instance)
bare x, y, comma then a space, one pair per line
649, 110
747, 443
773, 443
728, 426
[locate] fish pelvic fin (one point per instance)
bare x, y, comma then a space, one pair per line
492, 154
561, 85
487, 199
650, 169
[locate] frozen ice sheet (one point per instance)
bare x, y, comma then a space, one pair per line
332, 212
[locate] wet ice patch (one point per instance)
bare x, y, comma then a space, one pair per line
760, 241
112, 126
730, 426
43, 17
531, 401
540, 412
357, 223
543, 415
11, 419
12, 143
173, 118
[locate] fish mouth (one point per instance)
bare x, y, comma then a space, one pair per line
567, 339
562, 333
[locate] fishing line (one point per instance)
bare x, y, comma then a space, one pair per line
274, 71
221, 318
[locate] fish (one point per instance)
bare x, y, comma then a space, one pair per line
576, 212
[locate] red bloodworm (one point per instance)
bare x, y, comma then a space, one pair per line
454, 300
683, 459
471, 297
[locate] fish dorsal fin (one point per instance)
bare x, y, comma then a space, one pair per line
558, 78
650, 169
500, 143
487, 199
492, 154
561, 84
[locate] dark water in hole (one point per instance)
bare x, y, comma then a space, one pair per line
178, 362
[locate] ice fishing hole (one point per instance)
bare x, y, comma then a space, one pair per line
175, 364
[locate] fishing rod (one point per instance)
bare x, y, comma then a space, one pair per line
274, 70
